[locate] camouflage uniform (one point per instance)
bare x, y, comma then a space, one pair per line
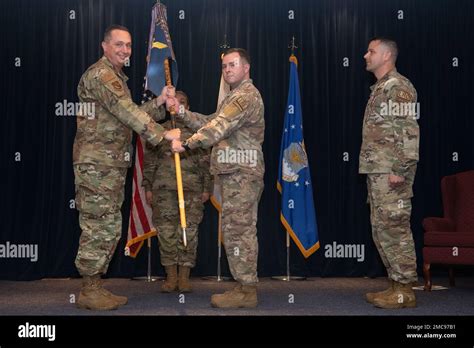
237, 126
101, 155
159, 176
390, 140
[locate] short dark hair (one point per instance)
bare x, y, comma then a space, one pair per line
184, 95
389, 43
108, 31
242, 53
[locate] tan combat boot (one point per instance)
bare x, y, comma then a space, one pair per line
242, 296
121, 300
92, 297
171, 282
402, 296
183, 282
370, 296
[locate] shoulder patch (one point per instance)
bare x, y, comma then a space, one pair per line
117, 86
240, 103
232, 109
404, 95
112, 83
236, 107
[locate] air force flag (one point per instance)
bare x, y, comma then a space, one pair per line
294, 179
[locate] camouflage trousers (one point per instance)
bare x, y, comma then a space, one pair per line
99, 197
240, 195
166, 219
390, 210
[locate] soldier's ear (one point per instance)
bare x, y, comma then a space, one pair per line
246, 67
103, 45
387, 55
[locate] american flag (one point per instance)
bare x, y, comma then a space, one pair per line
159, 48
140, 225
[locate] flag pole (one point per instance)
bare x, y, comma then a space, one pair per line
288, 256
219, 277
177, 162
219, 247
288, 277
148, 278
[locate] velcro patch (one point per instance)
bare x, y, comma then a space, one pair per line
236, 107
112, 83
404, 95
240, 103
232, 110
117, 85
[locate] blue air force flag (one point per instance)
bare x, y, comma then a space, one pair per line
159, 49
294, 179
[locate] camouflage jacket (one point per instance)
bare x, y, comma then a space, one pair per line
159, 170
390, 133
236, 131
105, 138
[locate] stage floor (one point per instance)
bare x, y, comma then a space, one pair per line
314, 296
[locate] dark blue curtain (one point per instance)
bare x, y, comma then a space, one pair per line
56, 40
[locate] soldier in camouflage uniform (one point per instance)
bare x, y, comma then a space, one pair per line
389, 156
236, 133
101, 155
159, 180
